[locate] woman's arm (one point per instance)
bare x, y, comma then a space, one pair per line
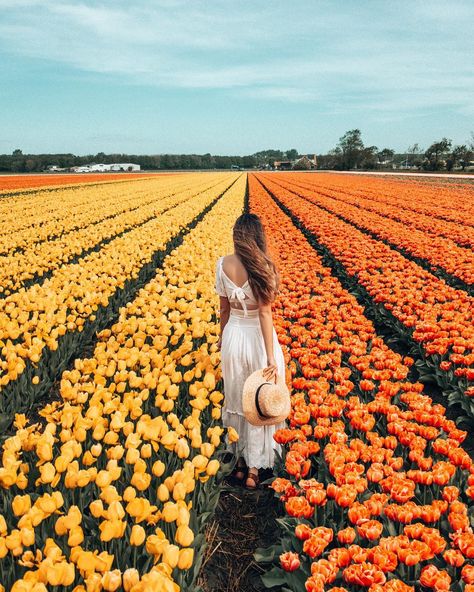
266, 324
224, 313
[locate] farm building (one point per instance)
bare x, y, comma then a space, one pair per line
303, 162
103, 168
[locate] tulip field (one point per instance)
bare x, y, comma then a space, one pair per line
113, 453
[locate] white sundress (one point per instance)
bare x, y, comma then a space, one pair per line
243, 352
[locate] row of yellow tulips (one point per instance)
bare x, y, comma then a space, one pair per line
41, 327
48, 215
35, 260
114, 491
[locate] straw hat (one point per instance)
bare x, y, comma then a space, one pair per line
265, 403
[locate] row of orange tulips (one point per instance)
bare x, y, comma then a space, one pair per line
375, 484
461, 234
438, 319
434, 197
15, 183
440, 253
114, 491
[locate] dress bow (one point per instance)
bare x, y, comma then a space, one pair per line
239, 294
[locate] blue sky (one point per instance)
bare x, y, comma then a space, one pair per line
233, 77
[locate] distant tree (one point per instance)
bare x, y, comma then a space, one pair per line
461, 155
351, 146
385, 156
333, 160
30, 164
268, 156
292, 154
17, 152
368, 157
436, 154
414, 156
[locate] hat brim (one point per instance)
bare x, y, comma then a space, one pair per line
248, 400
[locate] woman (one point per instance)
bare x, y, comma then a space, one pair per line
247, 282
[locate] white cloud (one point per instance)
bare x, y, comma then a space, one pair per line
365, 56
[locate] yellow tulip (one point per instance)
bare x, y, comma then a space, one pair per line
3, 526
183, 516
47, 473
129, 494
21, 504
115, 511
76, 536
60, 574
133, 454
158, 468
163, 493
207, 449
111, 529
232, 434
184, 535
60, 527
3, 548
171, 555
170, 511
112, 580
186, 557
130, 578
141, 481
27, 537
145, 451
182, 448
209, 381
96, 508
155, 544
179, 491
212, 467
103, 479
200, 462
137, 536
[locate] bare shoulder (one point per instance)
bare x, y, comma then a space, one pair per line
232, 262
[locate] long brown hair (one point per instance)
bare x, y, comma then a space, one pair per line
250, 246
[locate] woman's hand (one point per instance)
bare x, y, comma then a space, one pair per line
271, 371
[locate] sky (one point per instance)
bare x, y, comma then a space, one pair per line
233, 77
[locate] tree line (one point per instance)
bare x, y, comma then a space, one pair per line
29, 163
350, 153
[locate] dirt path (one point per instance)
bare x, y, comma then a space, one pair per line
244, 520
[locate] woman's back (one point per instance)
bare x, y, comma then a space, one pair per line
232, 282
